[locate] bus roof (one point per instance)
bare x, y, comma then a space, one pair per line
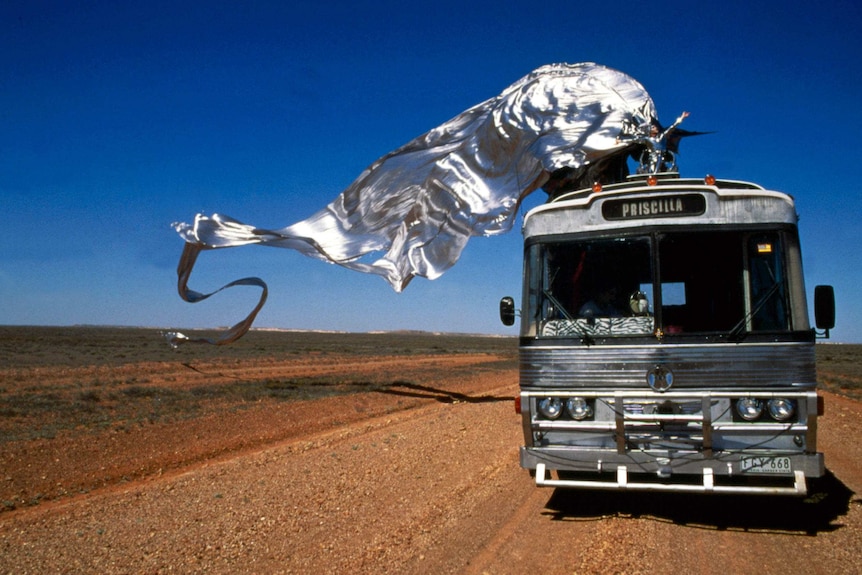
661, 199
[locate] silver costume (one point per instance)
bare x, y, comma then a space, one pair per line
412, 211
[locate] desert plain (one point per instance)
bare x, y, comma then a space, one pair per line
303, 452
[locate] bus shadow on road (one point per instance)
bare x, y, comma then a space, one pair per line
827, 501
408, 389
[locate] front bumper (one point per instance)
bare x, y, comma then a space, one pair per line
686, 472
694, 448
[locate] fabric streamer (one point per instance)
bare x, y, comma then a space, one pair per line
415, 208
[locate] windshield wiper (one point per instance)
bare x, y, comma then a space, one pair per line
558, 305
586, 338
738, 333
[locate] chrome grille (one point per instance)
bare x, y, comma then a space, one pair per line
713, 366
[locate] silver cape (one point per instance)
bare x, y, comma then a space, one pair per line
411, 212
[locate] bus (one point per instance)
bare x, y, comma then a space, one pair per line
665, 342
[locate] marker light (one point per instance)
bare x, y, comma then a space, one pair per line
651, 181
551, 407
597, 187
578, 408
749, 408
709, 180
781, 409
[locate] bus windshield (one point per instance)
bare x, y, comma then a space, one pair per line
664, 283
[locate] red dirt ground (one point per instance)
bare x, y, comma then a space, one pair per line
162, 466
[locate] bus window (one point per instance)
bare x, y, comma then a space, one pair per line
728, 282
701, 275
673, 293
725, 282
592, 287
768, 310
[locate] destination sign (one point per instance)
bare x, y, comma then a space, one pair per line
655, 207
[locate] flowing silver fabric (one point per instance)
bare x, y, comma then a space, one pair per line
412, 211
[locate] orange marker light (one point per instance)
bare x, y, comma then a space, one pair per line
652, 180
709, 180
597, 187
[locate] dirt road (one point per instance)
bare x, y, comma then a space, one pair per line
418, 476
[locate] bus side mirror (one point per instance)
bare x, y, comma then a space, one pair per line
824, 308
507, 310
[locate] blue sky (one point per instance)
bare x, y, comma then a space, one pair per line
117, 119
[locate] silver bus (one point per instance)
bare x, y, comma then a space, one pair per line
665, 343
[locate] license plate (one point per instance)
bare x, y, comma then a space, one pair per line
780, 465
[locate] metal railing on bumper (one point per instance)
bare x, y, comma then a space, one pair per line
693, 443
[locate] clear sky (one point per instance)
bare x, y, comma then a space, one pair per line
119, 118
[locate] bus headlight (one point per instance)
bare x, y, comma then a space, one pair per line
749, 408
781, 409
578, 408
550, 407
